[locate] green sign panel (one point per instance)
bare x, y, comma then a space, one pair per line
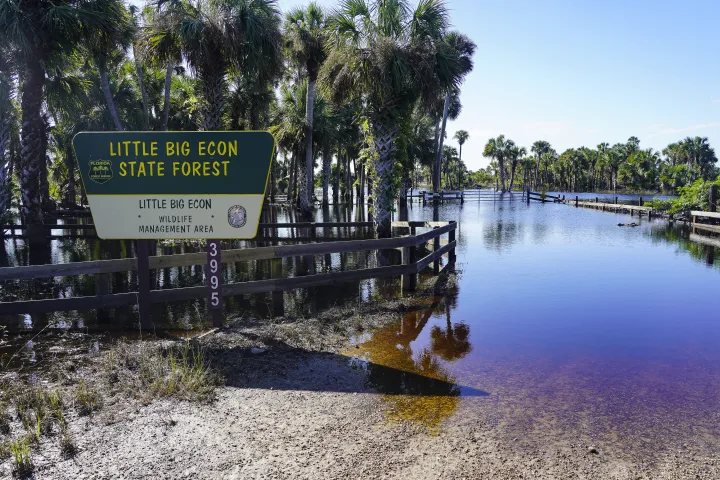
179, 185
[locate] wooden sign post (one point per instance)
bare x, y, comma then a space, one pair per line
176, 185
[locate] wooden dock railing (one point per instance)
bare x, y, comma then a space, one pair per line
410, 266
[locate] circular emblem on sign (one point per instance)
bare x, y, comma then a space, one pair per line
237, 216
100, 171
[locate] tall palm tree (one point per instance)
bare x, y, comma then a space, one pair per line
461, 136
306, 35
386, 54
539, 148
103, 46
215, 36
7, 118
498, 149
162, 50
39, 31
461, 50
515, 153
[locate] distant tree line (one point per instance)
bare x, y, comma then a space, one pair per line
621, 167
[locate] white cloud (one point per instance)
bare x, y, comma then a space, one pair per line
716, 100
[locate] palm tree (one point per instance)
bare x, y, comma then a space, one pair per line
40, 31
386, 55
461, 136
305, 31
515, 153
162, 50
216, 36
7, 119
498, 149
289, 126
461, 50
539, 148
108, 45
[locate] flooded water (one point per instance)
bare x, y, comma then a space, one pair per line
563, 321
560, 317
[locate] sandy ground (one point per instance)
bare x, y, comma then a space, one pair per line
315, 419
304, 410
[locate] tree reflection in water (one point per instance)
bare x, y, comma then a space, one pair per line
417, 387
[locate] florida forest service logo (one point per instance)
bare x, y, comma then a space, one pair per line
100, 171
237, 216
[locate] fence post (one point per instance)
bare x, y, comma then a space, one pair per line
451, 238
436, 247
409, 280
527, 196
597, 200
616, 200
143, 275
278, 299
641, 203
576, 201
713, 198
102, 287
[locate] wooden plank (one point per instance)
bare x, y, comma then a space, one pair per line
712, 242
421, 264
65, 304
422, 238
316, 225
697, 213
709, 228
228, 256
67, 269
263, 286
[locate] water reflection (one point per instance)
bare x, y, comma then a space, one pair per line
680, 235
416, 382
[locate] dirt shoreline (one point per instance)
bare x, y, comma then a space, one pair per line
293, 404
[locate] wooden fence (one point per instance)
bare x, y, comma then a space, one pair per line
408, 245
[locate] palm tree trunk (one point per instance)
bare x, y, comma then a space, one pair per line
513, 167
143, 90
213, 86
383, 180
5, 158
357, 184
293, 178
306, 184
348, 181
327, 159
336, 187
362, 183
31, 148
441, 140
460, 164
109, 100
501, 166
71, 192
166, 96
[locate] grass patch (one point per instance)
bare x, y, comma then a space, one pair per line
22, 465
67, 446
36, 408
87, 399
4, 419
180, 371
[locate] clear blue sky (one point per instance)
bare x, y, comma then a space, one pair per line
577, 72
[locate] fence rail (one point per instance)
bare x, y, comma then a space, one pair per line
409, 268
